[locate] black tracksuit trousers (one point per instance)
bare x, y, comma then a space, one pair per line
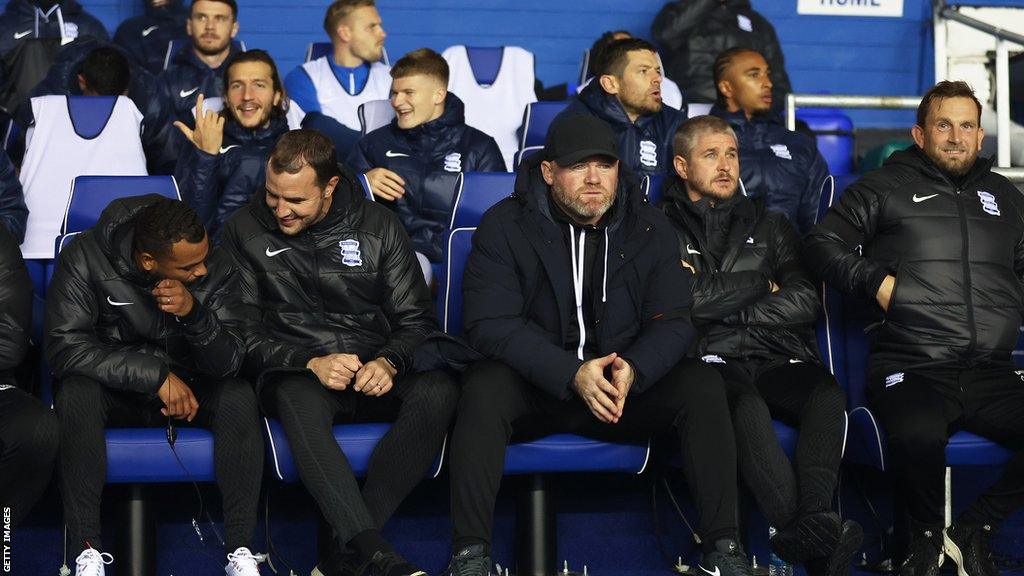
804, 396
86, 407
920, 408
498, 405
28, 447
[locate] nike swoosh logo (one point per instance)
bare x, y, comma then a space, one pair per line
391, 154
187, 93
717, 572
113, 303
923, 198
690, 250
20, 35
149, 30
226, 148
272, 253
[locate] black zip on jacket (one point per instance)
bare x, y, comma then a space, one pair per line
518, 289
102, 321
738, 315
350, 284
956, 250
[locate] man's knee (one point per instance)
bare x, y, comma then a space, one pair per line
76, 395
917, 434
237, 398
38, 433
293, 393
693, 387
490, 389
748, 409
437, 392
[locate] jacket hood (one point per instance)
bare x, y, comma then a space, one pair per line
739, 120
346, 195
172, 8
440, 128
114, 232
235, 133
26, 8
604, 105
915, 158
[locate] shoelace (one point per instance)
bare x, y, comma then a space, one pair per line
471, 566
244, 561
90, 563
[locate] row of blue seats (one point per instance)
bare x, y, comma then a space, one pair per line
140, 456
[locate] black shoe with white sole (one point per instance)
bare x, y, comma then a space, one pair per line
924, 555
727, 559
967, 546
838, 563
813, 535
390, 564
470, 561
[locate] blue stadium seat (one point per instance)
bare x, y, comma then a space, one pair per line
485, 62
317, 49
357, 441
90, 195
834, 135
523, 154
475, 193
374, 114
652, 186
866, 442
552, 454
536, 119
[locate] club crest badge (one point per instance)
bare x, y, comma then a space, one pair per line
350, 254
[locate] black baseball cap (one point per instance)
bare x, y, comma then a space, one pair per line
575, 137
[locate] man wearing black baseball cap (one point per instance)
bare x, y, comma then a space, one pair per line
575, 296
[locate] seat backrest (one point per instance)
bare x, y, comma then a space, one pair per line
695, 109
834, 136
652, 186
175, 45
90, 195
375, 114
524, 154
584, 73
536, 119
476, 192
485, 63
460, 242
829, 327
317, 49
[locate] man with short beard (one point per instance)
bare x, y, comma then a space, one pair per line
936, 239
574, 295
228, 155
626, 93
327, 92
198, 67
756, 309
337, 305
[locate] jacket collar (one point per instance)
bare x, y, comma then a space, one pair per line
186, 56
608, 108
347, 194
739, 121
266, 136
915, 158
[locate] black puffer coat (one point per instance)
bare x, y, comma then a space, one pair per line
102, 321
348, 284
956, 251
422, 156
737, 315
15, 308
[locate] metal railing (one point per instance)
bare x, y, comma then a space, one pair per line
794, 101
943, 13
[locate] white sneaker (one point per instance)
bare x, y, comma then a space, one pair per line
90, 563
241, 562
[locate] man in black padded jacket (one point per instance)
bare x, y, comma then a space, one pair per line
337, 304
937, 240
28, 428
756, 309
143, 328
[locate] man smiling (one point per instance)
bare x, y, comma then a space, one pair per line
217, 173
427, 138
942, 239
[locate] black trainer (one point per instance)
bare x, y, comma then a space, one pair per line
967, 546
924, 555
337, 563
727, 559
390, 564
470, 561
814, 535
838, 564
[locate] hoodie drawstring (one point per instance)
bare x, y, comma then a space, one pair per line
578, 263
46, 15
577, 283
